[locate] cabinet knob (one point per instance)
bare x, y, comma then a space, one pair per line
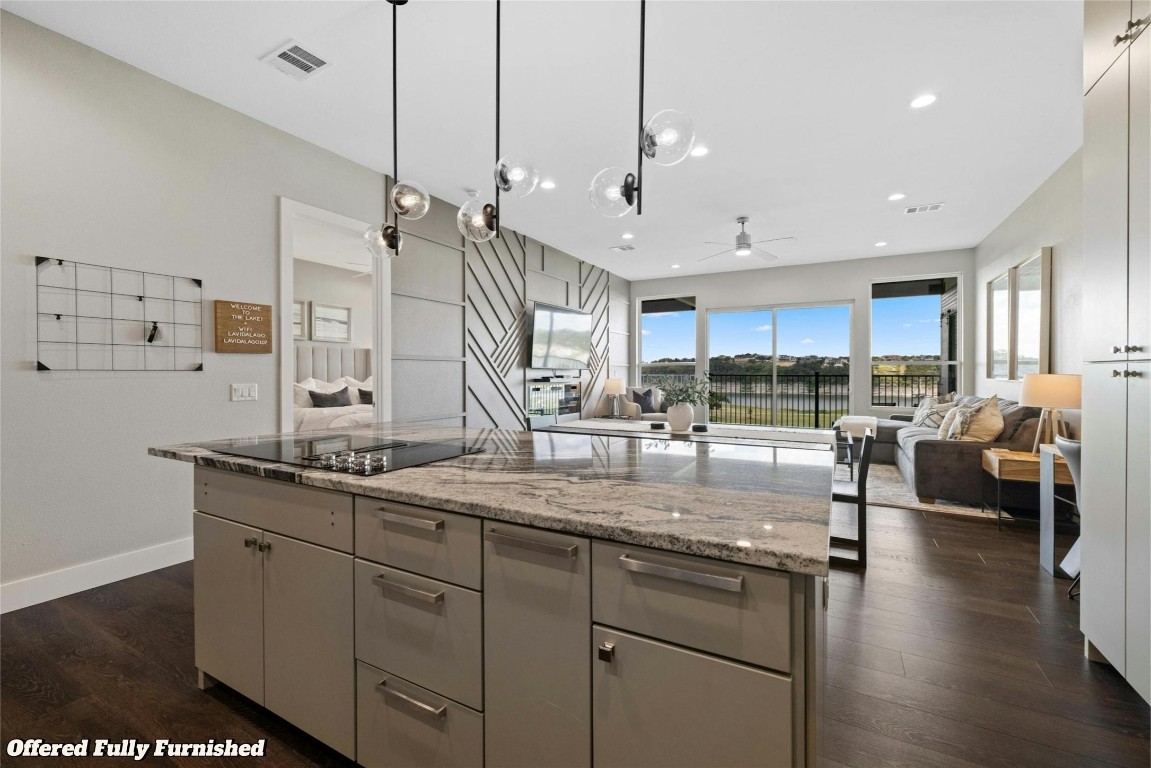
1131, 374
1120, 39
1116, 350
606, 652
251, 541
264, 546
1116, 374
1133, 348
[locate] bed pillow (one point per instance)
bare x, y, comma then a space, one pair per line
932, 411
330, 399
643, 400
301, 397
365, 396
354, 386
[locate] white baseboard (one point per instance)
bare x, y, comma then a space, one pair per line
48, 586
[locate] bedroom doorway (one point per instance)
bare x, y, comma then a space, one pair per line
335, 302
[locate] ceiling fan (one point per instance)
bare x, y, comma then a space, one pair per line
744, 246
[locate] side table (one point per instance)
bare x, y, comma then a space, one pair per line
1016, 466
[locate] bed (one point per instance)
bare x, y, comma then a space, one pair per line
330, 369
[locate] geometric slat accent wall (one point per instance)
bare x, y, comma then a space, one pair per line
594, 298
496, 329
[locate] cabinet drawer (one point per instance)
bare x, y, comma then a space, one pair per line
310, 514
425, 631
734, 610
661, 706
438, 544
400, 724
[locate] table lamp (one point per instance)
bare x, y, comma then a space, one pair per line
1051, 392
615, 388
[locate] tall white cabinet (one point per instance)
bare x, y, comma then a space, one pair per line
1116, 473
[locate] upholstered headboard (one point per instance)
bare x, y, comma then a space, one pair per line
328, 362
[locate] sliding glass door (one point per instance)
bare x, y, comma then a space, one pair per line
780, 366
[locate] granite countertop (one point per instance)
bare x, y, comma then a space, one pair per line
758, 504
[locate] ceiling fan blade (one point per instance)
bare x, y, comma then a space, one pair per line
729, 250
712, 242
765, 255
773, 240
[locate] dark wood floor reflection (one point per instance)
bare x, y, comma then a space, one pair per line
953, 649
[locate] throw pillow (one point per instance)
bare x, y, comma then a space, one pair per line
932, 410
949, 419
353, 388
643, 400
365, 396
964, 416
331, 400
987, 423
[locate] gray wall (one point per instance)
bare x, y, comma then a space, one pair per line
1051, 216
104, 163
833, 282
337, 287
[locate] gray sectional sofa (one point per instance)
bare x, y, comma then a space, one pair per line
953, 469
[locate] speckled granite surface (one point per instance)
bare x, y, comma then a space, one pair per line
762, 505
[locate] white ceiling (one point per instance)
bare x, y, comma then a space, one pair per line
326, 243
804, 106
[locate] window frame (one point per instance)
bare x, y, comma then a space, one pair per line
1013, 291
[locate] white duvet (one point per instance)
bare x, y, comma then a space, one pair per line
307, 419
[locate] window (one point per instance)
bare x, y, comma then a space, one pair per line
786, 366
1017, 319
667, 338
914, 340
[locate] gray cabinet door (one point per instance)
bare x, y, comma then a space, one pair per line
228, 600
1138, 529
1139, 232
309, 662
1103, 509
663, 706
537, 611
1102, 21
1105, 216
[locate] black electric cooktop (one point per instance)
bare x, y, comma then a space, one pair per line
355, 454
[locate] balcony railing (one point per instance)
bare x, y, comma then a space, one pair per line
812, 400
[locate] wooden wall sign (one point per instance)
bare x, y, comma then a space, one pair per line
243, 327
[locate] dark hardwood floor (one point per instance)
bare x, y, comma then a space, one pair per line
953, 648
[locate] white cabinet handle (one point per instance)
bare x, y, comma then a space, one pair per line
406, 591
535, 546
424, 709
726, 583
391, 516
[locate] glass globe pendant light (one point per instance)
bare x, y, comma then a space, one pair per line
665, 139
477, 221
408, 199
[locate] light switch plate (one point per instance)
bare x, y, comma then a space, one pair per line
244, 392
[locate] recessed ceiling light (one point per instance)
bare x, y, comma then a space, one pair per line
627, 235
926, 100
547, 184
675, 266
896, 196
698, 151
880, 244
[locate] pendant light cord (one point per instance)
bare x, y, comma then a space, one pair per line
498, 25
395, 113
639, 154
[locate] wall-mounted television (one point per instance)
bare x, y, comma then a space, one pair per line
561, 338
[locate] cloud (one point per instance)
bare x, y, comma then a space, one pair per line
645, 332
807, 341
763, 327
907, 325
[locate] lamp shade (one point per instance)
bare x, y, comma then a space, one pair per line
614, 387
1052, 390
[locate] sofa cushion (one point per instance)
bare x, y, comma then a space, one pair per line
931, 411
909, 436
643, 400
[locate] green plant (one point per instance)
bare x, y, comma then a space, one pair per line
684, 390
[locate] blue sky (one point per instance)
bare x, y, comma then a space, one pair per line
905, 326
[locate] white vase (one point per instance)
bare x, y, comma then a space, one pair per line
679, 417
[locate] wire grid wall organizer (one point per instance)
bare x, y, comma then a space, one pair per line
95, 318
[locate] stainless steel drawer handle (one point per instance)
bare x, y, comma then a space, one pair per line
535, 546
425, 709
406, 591
726, 583
391, 516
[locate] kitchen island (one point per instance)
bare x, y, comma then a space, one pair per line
555, 599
